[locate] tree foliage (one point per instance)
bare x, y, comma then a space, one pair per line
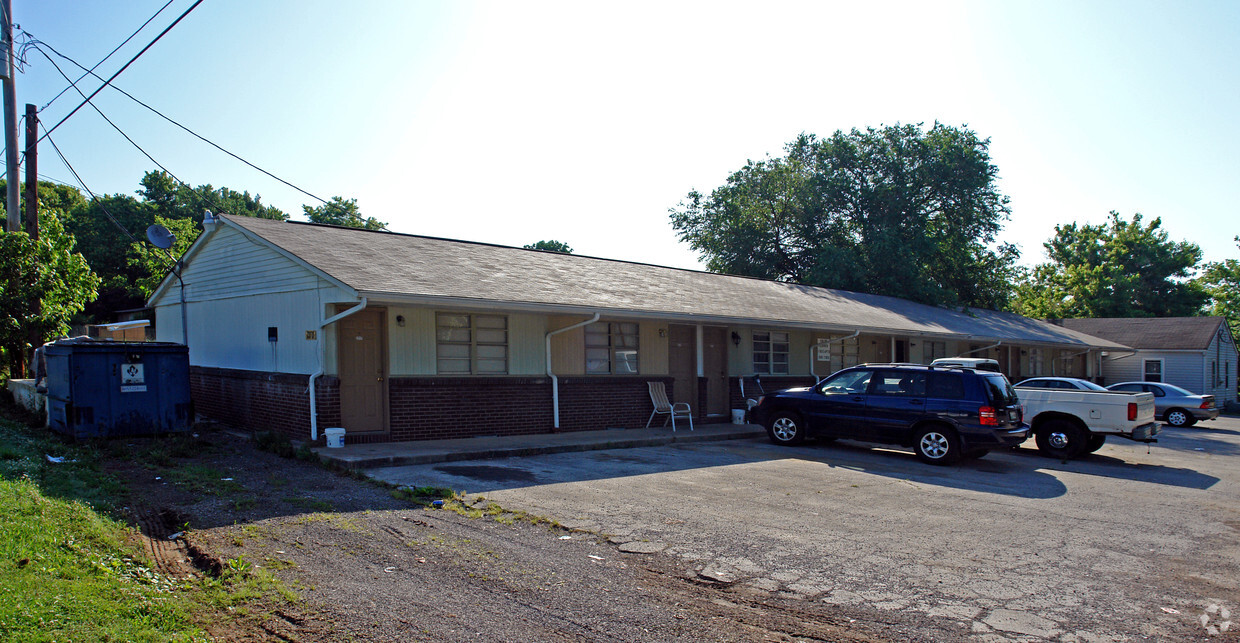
341, 212
899, 211
1115, 269
43, 284
550, 246
149, 265
1221, 281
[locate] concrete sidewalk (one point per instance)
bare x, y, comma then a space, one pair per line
388, 454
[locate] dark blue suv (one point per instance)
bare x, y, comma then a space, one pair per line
944, 413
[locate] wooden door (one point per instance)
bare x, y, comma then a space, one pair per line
715, 366
361, 350
682, 364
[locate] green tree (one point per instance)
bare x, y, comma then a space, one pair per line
550, 246
1221, 281
173, 200
1115, 269
340, 212
149, 265
43, 284
900, 211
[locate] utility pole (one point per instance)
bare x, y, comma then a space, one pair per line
32, 172
10, 116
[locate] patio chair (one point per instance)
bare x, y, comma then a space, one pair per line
658, 397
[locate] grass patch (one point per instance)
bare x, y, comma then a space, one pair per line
201, 479
70, 574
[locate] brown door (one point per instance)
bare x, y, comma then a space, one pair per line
715, 364
363, 372
682, 364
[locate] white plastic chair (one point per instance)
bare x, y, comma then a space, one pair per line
658, 397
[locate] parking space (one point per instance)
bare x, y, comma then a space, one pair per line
1135, 541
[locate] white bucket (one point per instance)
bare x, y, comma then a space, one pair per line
738, 416
335, 437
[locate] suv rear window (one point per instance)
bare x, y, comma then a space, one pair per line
998, 390
947, 386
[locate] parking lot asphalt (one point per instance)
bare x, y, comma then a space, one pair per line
1134, 542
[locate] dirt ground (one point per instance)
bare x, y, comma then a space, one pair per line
366, 566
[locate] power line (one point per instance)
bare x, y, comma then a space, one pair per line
119, 71
105, 117
39, 44
48, 135
74, 83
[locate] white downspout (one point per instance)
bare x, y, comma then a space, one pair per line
314, 417
555, 382
813, 359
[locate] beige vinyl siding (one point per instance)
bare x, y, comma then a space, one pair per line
652, 349
527, 352
412, 346
568, 349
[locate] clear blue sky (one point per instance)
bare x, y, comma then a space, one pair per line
511, 122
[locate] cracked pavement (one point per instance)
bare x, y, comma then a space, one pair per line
1132, 542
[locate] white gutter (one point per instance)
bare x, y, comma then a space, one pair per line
555, 382
813, 359
314, 417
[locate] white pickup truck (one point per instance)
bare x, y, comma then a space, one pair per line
1071, 417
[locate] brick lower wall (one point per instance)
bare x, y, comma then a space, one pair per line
425, 408
259, 401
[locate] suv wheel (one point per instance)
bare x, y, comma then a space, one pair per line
1062, 439
937, 445
786, 428
1096, 442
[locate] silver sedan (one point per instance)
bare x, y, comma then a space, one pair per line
1172, 404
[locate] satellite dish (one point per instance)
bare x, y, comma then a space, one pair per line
160, 237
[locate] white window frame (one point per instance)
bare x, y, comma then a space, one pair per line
1145, 370
613, 348
764, 343
481, 343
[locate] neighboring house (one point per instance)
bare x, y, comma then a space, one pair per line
1196, 353
402, 337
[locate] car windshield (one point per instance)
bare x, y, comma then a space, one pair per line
999, 390
1090, 385
849, 382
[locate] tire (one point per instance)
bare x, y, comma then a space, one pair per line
1179, 418
1095, 443
786, 428
1062, 439
937, 444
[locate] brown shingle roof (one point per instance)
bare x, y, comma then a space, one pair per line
396, 267
1151, 333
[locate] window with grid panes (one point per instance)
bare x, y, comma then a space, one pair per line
469, 344
611, 348
770, 353
933, 350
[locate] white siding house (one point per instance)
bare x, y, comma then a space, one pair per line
1196, 353
295, 326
